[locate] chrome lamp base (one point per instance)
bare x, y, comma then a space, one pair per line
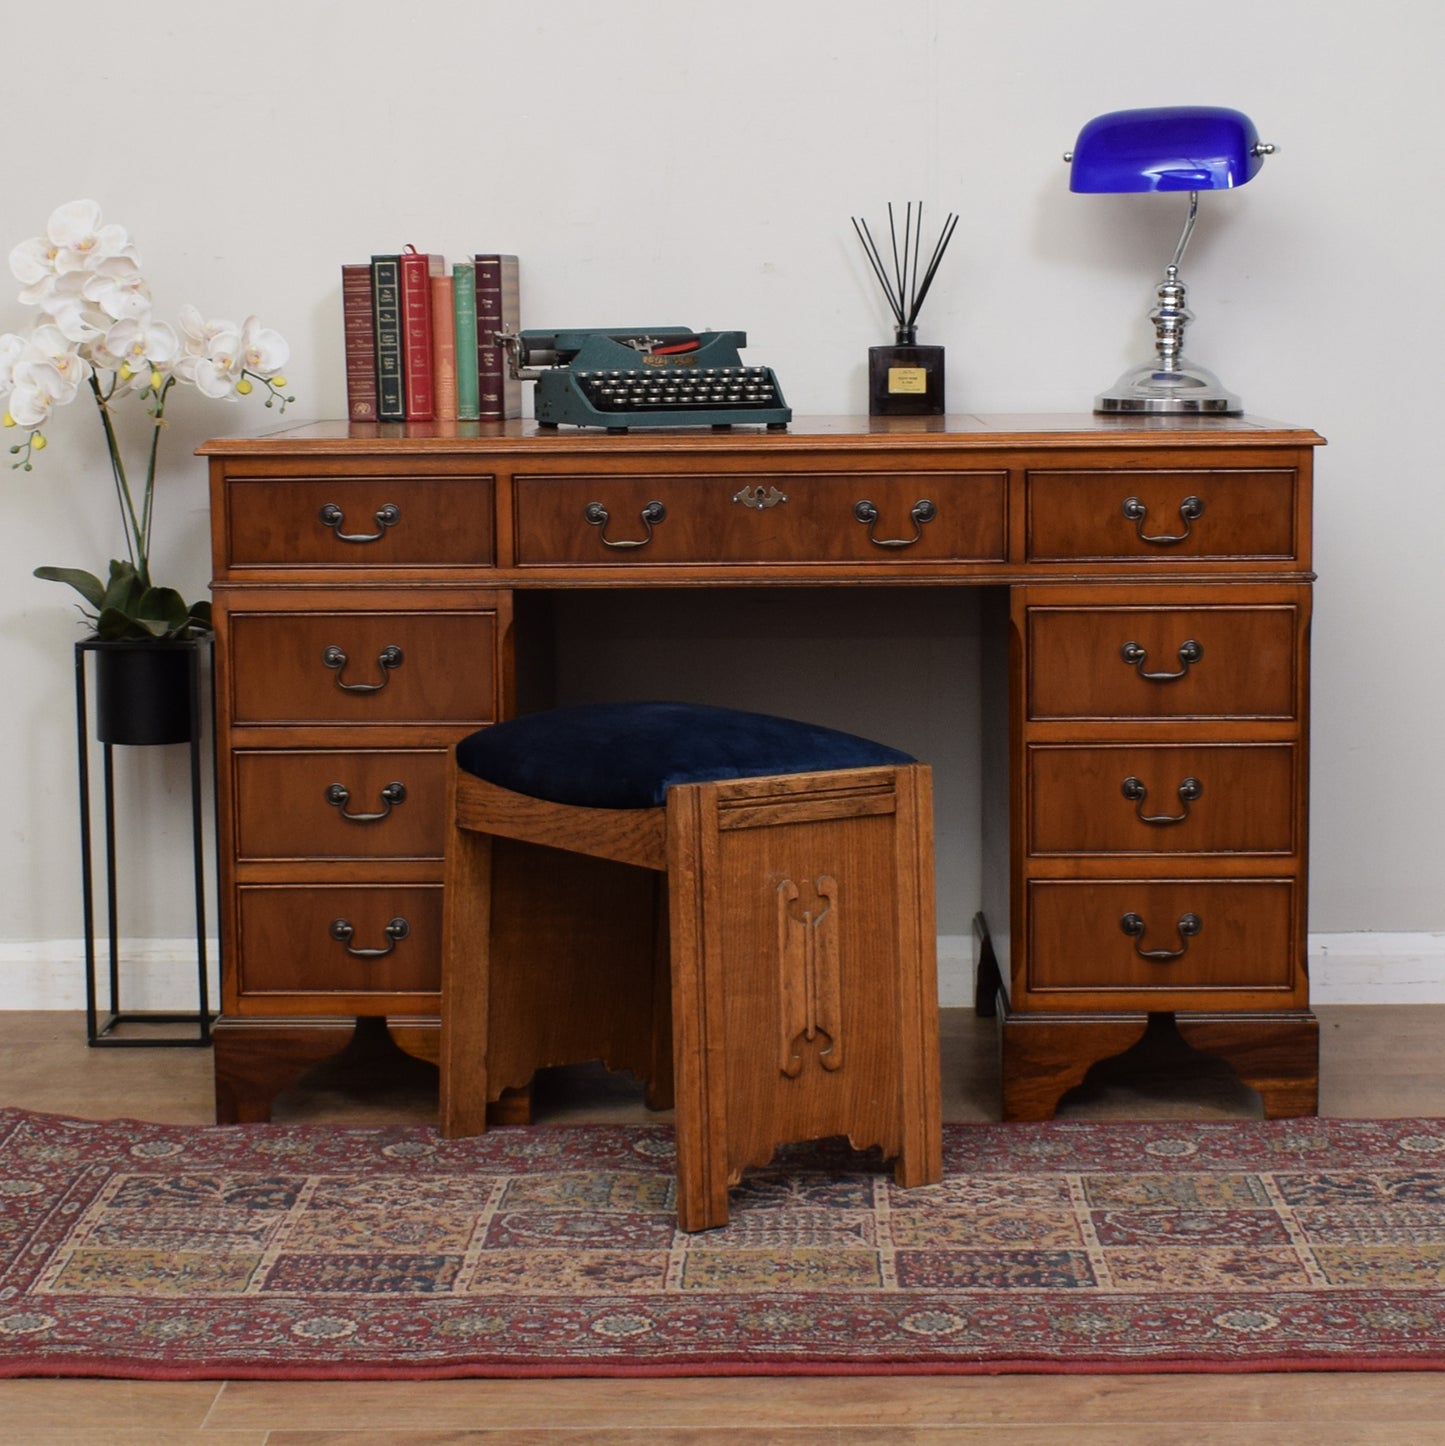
1170, 383
1182, 388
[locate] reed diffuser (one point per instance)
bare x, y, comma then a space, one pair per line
905, 379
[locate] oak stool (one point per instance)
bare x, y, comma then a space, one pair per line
737, 908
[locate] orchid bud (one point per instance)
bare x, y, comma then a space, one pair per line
9, 420
155, 381
244, 386
38, 442
125, 372
278, 381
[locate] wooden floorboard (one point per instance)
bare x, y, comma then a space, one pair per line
1382, 1061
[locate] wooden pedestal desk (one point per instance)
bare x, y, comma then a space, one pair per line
1145, 694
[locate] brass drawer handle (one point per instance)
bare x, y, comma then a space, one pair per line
1135, 791
1136, 657
342, 931
598, 516
339, 796
388, 658
386, 516
1189, 510
1189, 926
922, 511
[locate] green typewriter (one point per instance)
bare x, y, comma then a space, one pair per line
653, 376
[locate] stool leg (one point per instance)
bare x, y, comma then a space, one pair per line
804, 958
698, 1036
659, 1093
466, 967
920, 1159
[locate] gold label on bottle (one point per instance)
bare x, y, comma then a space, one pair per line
910, 380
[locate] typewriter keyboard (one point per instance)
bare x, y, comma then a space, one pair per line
680, 389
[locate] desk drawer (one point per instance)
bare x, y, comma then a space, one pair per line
289, 940
1153, 516
761, 517
1164, 662
1162, 798
1203, 934
329, 804
359, 522
363, 667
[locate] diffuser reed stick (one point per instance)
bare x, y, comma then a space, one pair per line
903, 290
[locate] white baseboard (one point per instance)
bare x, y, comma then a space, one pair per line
1383, 968
955, 970
155, 974
160, 974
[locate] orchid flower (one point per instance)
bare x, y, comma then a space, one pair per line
78, 319
79, 239
96, 326
50, 343
217, 370
118, 289
139, 347
263, 353
12, 348
40, 386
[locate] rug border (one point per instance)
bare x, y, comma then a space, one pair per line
76, 1368
79, 1366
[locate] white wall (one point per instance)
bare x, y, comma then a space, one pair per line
698, 165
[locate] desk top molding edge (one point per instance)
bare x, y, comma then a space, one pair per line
965, 431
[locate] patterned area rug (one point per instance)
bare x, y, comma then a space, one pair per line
315, 1251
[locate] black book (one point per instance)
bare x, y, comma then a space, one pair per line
386, 306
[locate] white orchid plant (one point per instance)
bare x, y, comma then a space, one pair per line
96, 331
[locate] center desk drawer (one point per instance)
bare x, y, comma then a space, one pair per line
1164, 662
363, 667
342, 939
359, 522
761, 517
327, 804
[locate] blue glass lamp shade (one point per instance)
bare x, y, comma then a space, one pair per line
1168, 148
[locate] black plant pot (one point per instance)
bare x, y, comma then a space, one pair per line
143, 691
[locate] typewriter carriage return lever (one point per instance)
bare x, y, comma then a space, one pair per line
644, 377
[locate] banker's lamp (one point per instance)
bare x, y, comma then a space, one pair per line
1189, 148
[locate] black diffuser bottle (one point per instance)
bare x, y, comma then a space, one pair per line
905, 379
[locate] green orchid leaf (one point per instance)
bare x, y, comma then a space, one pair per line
86, 584
127, 609
162, 605
113, 624
123, 589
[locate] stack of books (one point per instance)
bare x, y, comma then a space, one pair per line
421, 342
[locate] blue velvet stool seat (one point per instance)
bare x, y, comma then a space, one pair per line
735, 907
627, 755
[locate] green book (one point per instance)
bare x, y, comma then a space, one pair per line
464, 296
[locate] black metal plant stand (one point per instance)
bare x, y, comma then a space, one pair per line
139, 724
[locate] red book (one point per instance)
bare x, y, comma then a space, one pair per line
417, 269
499, 308
358, 322
444, 348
